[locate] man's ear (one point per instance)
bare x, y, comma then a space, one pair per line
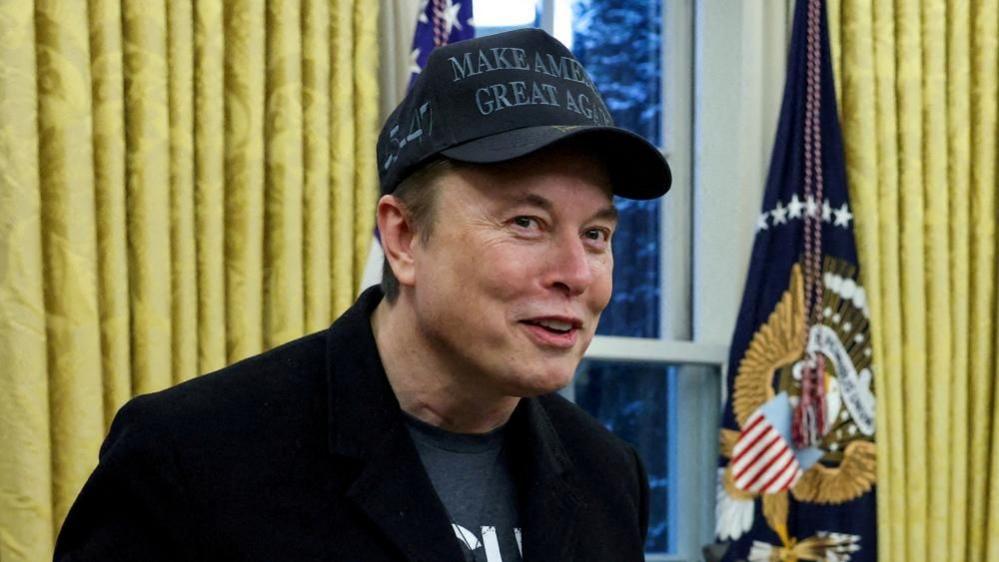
398, 237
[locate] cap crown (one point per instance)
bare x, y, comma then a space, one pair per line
483, 87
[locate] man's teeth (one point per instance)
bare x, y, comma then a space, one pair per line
556, 325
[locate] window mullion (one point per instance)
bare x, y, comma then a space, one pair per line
677, 54
614, 348
548, 16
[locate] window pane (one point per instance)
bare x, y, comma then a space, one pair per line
492, 16
669, 413
619, 43
633, 400
634, 306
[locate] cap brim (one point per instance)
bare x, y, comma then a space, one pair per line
637, 169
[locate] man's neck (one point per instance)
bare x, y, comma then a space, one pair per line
426, 387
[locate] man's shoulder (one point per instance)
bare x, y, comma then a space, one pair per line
288, 368
276, 388
585, 438
606, 472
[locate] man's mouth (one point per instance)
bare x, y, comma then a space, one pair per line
559, 332
557, 326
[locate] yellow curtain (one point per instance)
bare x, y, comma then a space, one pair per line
182, 184
919, 105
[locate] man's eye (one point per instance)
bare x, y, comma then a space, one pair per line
598, 234
525, 222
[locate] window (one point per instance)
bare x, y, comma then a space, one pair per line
643, 378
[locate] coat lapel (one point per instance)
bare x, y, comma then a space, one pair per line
395, 492
550, 501
366, 429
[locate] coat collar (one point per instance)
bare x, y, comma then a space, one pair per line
363, 407
366, 424
366, 430
549, 499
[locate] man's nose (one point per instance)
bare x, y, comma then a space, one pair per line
569, 268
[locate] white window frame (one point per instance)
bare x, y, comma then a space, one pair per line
723, 72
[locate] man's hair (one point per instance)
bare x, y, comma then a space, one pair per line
418, 194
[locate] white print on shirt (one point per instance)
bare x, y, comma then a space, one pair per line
489, 541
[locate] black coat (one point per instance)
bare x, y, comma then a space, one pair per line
301, 453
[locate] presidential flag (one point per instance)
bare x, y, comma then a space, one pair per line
796, 478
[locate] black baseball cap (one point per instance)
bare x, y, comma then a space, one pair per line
500, 97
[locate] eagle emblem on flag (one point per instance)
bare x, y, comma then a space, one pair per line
762, 458
797, 465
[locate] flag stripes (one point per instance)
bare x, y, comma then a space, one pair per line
762, 461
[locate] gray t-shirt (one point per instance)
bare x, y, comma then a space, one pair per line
472, 477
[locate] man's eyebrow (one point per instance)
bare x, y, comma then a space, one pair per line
609, 212
532, 200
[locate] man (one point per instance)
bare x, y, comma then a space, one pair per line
422, 425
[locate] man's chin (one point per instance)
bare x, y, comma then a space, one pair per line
545, 384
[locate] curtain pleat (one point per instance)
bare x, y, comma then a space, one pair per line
366, 108
983, 521
958, 140
342, 134
891, 532
936, 264
209, 189
183, 185
912, 204
919, 118
26, 517
69, 238
147, 130
109, 182
245, 54
284, 315
316, 154
184, 274
992, 530
862, 156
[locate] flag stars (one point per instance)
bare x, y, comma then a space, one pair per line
798, 209
795, 207
761, 222
451, 17
843, 216
811, 207
414, 64
423, 11
779, 214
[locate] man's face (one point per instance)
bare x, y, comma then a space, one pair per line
510, 285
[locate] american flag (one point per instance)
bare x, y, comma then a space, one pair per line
764, 460
439, 22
